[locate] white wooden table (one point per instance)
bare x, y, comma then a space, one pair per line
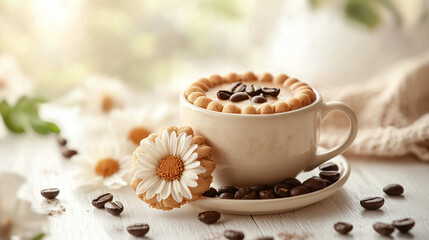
38, 158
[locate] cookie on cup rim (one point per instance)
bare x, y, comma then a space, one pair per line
171, 168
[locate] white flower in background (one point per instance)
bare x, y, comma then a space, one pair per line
104, 164
167, 166
17, 219
13, 83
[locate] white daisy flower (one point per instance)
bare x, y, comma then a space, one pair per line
13, 83
102, 165
167, 166
17, 219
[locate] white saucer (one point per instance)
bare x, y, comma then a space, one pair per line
271, 206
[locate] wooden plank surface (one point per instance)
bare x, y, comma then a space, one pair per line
73, 217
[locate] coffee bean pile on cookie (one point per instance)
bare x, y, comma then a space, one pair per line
239, 92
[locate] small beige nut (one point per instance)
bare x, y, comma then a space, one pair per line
249, 109
294, 103
309, 92
192, 89
249, 77
304, 99
281, 107
200, 85
280, 79
231, 108
232, 77
193, 96
265, 109
289, 82
199, 140
215, 106
266, 77
202, 102
297, 85
205, 81
215, 79
185, 129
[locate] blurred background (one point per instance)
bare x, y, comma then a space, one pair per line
56, 44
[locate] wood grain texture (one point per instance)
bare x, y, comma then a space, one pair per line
39, 160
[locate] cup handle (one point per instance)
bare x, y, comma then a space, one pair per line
326, 109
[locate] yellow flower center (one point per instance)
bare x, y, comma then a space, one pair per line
137, 134
106, 167
107, 103
170, 168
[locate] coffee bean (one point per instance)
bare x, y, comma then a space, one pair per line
265, 238
68, 153
404, 225
209, 217
329, 166
259, 99
223, 94
266, 194
393, 189
228, 189
314, 184
115, 208
226, 195
210, 193
234, 86
282, 190
292, 182
138, 230
332, 176
300, 190
328, 183
238, 97
245, 193
274, 92
343, 227
50, 193
102, 199
260, 187
383, 228
233, 235
252, 90
372, 203
241, 88
61, 141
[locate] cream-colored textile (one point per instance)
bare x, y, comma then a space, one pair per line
393, 112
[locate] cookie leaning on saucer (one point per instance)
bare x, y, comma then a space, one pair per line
171, 168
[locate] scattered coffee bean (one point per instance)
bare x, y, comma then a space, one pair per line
265, 238
281, 190
233, 235
404, 225
241, 88
328, 183
393, 189
228, 189
223, 95
138, 230
210, 193
253, 90
245, 193
209, 217
68, 153
332, 176
329, 166
372, 203
343, 227
292, 182
383, 228
314, 184
234, 86
238, 97
115, 208
226, 195
274, 92
300, 190
266, 194
102, 199
61, 141
259, 99
50, 193
258, 188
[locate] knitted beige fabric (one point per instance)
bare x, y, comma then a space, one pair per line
392, 109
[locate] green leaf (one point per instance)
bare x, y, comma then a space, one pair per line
42, 127
14, 121
39, 236
363, 12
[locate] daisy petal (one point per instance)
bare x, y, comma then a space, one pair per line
180, 144
198, 170
190, 159
190, 151
166, 191
150, 193
176, 191
186, 146
145, 184
185, 190
193, 165
190, 175
173, 143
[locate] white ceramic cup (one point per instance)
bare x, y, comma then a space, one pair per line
265, 149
